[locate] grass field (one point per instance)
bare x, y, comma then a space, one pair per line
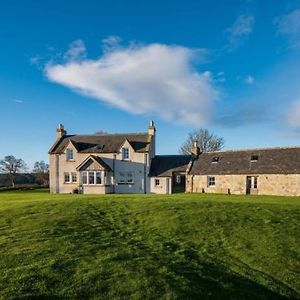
183, 246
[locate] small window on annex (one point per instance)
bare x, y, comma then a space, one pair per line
157, 182
70, 154
211, 181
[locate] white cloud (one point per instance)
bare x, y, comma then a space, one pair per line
294, 115
77, 51
249, 79
289, 25
142, 79
241, 28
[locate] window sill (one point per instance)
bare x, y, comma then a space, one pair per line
70, 160
125, 183
93, 184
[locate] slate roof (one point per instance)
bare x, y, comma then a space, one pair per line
98, 160
165, 165
106, 143
270, 161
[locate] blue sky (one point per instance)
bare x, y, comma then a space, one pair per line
230, 66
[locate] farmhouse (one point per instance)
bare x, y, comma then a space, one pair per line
113, 163
127, 163
273, 171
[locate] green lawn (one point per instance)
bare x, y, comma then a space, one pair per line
183, 246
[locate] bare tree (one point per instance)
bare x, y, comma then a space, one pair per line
12, 166
101, 132
206, 140
41, 171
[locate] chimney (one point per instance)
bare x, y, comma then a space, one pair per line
151, 132
60, 131
151, 128
195, 151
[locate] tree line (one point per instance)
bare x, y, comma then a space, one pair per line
12, 166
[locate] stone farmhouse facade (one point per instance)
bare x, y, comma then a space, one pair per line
127, 163
273, 171
101, 164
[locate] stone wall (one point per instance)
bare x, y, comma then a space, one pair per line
268, 184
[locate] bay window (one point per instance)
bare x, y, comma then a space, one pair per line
92, 177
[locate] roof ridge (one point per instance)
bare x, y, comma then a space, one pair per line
165, 155
254, 149
110, 134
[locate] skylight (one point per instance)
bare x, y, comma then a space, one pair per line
254, 157
215, 159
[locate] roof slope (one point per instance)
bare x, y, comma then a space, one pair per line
97, 159
106, 143
270, 161
165, 165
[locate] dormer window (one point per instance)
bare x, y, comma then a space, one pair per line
70, 154
254, 157
215, 159
125, 153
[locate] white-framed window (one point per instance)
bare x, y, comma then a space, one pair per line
125, 153
126, 178
98, 176
129, 177
70, 154
84, 177
67, 177
92, 177
74, 177
157, 182
121, 177
211, 181
178, 179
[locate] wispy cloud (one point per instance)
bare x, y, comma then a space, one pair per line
249, 79
141, 79
289, 25
241, 28
293, 116
18, 101
76, 52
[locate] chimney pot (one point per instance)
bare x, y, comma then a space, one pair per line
60, 131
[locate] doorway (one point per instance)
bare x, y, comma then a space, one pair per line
178, 181
251, 185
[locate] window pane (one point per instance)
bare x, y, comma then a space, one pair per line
211, 181
156, 181
84, 178
74, 177
98, 178
255, 183
91, 177
125, 153
70, 154
67, 177
121, 177
129, 177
